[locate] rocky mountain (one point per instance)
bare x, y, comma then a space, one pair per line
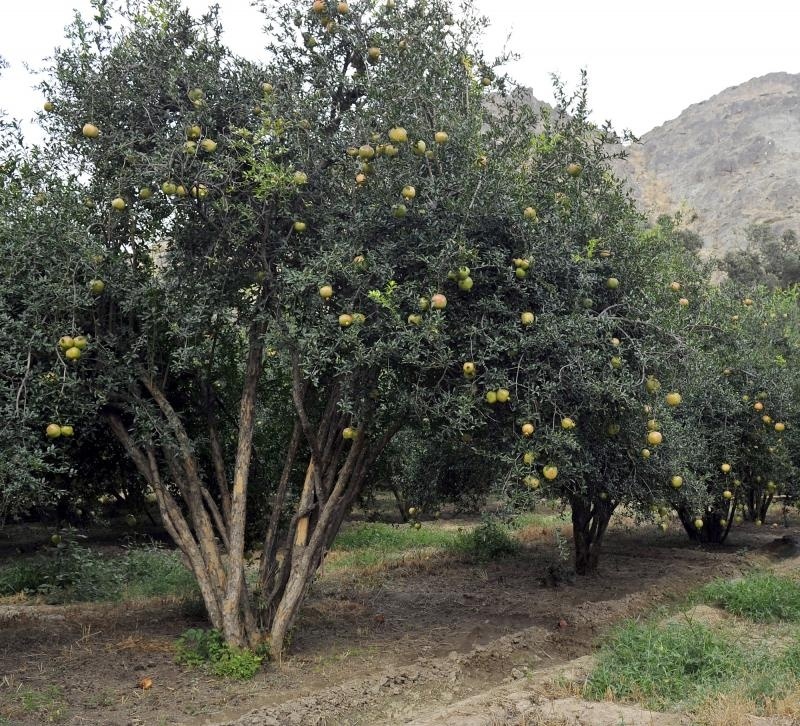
726, 163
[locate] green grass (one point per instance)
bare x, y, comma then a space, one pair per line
761, 596
771, 675
47, 704
392, 538
374, 544
534, 519
661, 667
688, 665
72, 573
154, 572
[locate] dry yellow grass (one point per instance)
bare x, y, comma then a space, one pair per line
788, 706
538, 532
728, 709
142, 644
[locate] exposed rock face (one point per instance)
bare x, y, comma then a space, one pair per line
726, 163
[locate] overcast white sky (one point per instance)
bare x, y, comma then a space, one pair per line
647, 61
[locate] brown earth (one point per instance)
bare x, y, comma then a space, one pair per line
398, 645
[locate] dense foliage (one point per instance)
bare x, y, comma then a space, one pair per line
364, 261
769, 258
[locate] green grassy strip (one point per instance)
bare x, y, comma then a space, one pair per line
372, 544
72, 573
663, 667
680, 665
760, 596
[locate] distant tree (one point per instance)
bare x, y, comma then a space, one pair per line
426, 469
768, 259
27, 461
670, 228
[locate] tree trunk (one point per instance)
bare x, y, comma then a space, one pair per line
306, 554
401, 505
267, 568
765, 505
234, 608
589, 523
174, 521
587, 555
194, 531
715, 529
757, 504
183, 467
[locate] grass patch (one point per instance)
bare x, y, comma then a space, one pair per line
762, 597
392, 538
155, 572
718, 672
771, 676
72, 573
373, 544
661, 667
366, 545
535, 519
47, 705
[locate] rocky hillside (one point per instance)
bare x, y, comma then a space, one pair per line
727, 162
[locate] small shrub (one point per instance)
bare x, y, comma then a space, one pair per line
762, 597
489, 541
69, 572
196, 647
208, 649
236, 664
81, 574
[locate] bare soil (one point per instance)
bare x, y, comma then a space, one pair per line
393, 645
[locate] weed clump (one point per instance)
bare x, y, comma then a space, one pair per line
207, 649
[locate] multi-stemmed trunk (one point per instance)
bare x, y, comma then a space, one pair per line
590, 518
209, 528
335, 475
757, 502
716, 524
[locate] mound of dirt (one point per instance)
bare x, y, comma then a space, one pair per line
427, 673
783, 548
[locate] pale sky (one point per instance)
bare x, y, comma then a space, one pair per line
647, 61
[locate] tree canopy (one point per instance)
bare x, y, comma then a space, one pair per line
257, 279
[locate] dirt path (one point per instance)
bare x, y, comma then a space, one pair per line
389, 647
463, 661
